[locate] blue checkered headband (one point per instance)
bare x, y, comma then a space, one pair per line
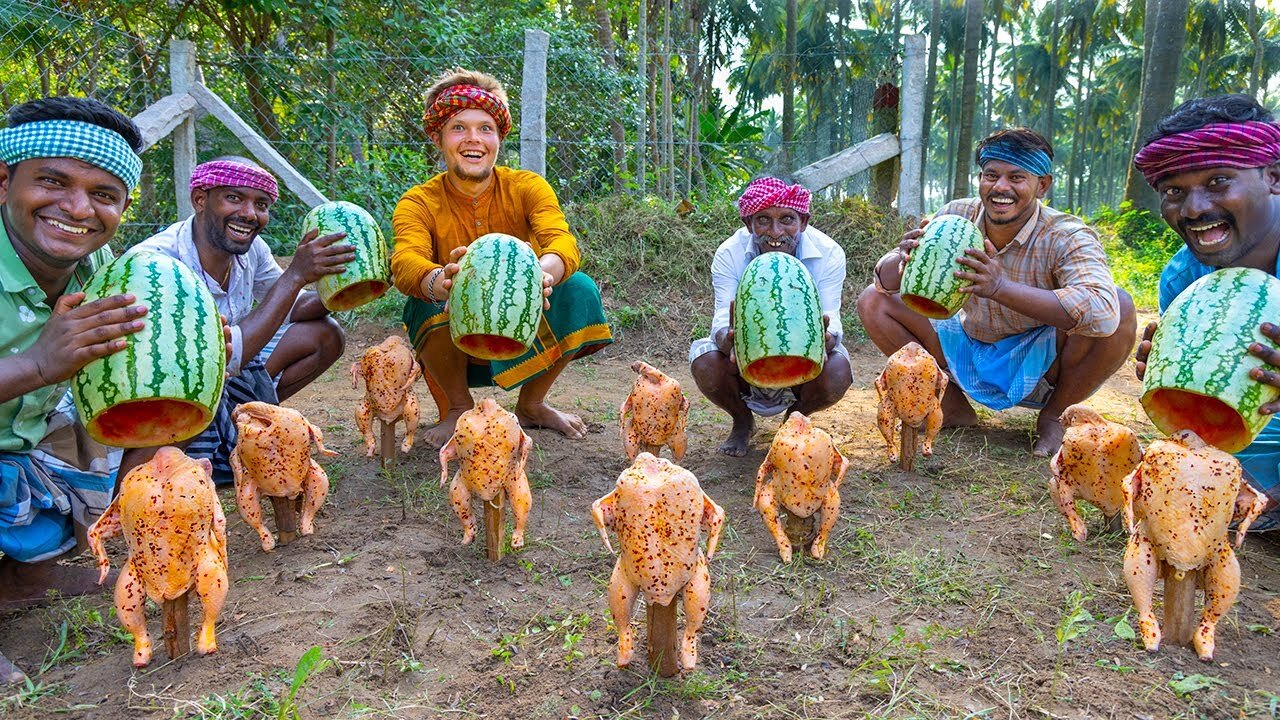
1035, 161
91, 143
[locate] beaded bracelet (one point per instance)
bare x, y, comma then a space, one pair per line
431, 284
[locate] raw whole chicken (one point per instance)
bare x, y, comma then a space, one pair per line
272, 457
492, 451
389, 370
802, 475
1091, 465
910, 390
654, 414
657, 510
176, 533
1177, 505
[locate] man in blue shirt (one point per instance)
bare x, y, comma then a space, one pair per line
1215, 163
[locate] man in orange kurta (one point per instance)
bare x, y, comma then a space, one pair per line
467, 118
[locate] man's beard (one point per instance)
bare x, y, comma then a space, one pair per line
216, 233
473, 177
787, 243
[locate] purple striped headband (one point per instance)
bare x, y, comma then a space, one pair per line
1248, 144
227, 173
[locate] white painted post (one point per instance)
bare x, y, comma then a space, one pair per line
533, 102
911, 128
182, 75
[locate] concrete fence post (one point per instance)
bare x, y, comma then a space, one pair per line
911, 127
182, 75
533, 102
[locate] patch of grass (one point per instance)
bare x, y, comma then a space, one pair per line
386, 311
29, 694
546, 639
80, 630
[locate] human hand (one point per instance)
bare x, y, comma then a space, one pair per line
320, 256
830, 339
226, 340
553, 271
77, 334
1144, 350
910, 241
985, 274
1271, 356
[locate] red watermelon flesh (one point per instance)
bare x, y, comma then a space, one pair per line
353, 296
783, 371
491, 347
1213, 420
927, 307
148, 423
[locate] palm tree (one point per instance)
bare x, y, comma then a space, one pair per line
1164, 32
968, 94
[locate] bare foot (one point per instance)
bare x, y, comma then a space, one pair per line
9, 673
1048, 435
957, 412
437, 435
739, 440
542, 415
24, 585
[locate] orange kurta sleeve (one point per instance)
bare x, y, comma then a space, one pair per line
550, 231
413, 226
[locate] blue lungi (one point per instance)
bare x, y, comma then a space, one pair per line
998, 375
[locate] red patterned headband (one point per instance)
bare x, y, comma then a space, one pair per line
1239, 145
227, 173
456, 98
771, 192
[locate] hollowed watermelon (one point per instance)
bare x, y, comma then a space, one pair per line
1197, 375
495, 303
368, 277
165, 385
777, 318
929, 284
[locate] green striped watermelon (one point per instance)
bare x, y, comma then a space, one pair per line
1197, 375
495, 302
164, 386
929, 284
777, 319
369, 276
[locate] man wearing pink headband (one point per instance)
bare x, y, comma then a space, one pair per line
281, 337
775, 218
1215, 163
1042, 298
466, 117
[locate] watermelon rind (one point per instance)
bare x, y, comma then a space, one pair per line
1200, 354
777, 321
366, 278
929, 284
496, 296
164, 386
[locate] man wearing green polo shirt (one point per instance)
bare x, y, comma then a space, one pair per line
67, 166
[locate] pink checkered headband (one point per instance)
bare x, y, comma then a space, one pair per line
456, 98
771, 192
1248, 144
227, 173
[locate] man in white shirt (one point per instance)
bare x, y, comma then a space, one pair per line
775, 215
281, 338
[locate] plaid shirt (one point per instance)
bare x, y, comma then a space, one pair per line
1054, 251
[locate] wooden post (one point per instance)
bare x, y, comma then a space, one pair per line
182, 76
911, 128
177, 626
1180, 616
661, 620
387, 445
848, 162
495, 526
907, 448
286, 518
533, 102
800, 532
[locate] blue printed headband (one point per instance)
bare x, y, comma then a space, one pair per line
91, 143
1035, 161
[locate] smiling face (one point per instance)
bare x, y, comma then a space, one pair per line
1228, 217
58, 210
229, 218
776, 229
1010, 193
469, 142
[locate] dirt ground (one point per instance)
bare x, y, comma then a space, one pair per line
951, 591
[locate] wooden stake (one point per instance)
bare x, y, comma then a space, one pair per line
800, 532
387, 448
1180, 616
907, 448
661, 620
495, 526
177, 627
286, 510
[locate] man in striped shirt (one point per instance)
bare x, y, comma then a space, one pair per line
1042, 298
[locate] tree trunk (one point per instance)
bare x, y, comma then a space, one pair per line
668, 124
930, 84
968, 95
604, 35
1254, 27
1077, 127
953, 127
789, 88
988, 122
1055, 79
331, 156
1168, 31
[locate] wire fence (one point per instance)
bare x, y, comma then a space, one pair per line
346, 111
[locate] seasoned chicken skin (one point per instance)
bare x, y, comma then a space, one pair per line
1091, 465
272, 457
910, 389
389, 370
176, 533
1177, 505
654, 414
801, 474
657, 509
492, 452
